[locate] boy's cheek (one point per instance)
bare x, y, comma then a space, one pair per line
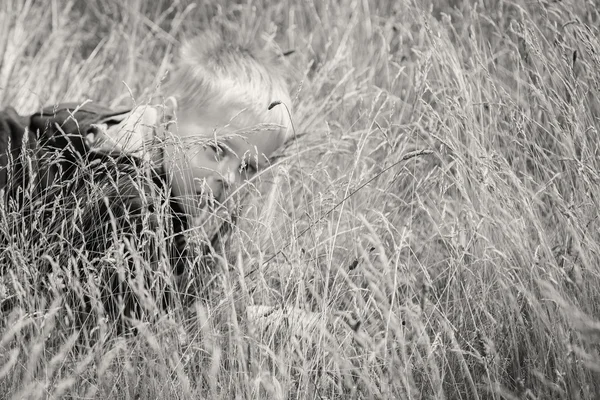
193, 191
200, 185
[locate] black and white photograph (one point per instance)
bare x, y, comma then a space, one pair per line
312, 199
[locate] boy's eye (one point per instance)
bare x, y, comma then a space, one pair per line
218, 149
249, 169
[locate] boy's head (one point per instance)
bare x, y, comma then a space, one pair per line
223, 131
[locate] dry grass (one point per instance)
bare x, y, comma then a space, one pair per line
472, 272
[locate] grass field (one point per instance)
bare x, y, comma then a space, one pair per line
359, 269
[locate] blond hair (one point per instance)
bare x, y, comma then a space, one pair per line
231, 80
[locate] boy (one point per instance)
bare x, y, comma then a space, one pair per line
214, 130
218, 92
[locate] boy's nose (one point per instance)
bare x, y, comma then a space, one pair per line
229, 171
227, 177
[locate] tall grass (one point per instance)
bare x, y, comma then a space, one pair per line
471, 272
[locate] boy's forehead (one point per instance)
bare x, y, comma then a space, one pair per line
261, 144
200, 123
201, 129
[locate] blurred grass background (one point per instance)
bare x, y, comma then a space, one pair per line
472, 272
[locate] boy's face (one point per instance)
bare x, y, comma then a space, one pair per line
209, 162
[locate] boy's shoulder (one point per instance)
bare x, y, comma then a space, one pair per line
85, 107
96, 128
67, 125
72, 117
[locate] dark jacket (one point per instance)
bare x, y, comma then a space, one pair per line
59, 192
